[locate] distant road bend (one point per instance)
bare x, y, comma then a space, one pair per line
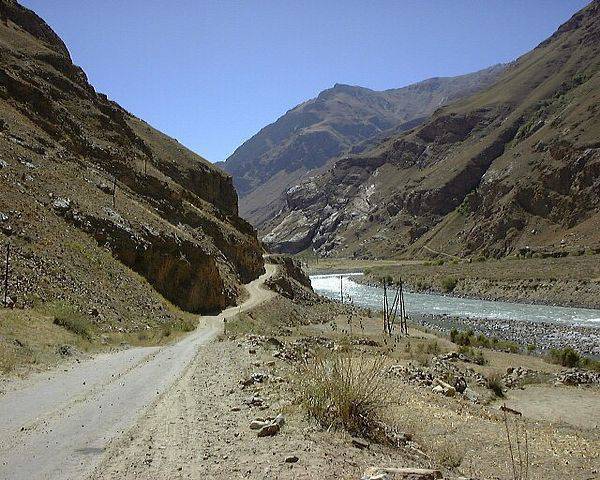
56, 425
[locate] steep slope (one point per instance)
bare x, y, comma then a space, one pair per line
322, 128
516, 166
102, 211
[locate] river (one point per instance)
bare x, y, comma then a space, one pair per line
437, 304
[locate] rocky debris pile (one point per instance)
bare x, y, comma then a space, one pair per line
304, 348
454, 356
368, 342
253, 341
544, 335
443, 377
381, 473
575, 376
412, 374
268, 427
516, 377
254, 378
444, 388
445, 369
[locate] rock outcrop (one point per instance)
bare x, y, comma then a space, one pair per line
98, 205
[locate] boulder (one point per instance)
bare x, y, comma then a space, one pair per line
444, 388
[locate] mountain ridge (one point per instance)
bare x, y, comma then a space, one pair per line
309, 135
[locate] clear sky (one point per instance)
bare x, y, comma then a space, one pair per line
211, 73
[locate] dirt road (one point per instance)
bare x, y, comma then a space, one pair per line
56, 425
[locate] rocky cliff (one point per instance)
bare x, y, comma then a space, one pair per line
339, 119
514, 167
102, 210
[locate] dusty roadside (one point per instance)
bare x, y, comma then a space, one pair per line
201, 427
56, 425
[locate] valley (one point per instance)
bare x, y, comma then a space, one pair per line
381, 284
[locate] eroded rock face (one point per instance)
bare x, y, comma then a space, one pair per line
477, 177
76, 166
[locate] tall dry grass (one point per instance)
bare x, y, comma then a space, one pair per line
340, 390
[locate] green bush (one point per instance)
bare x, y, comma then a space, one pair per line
68, 317
567, 357
468, 338
449, 284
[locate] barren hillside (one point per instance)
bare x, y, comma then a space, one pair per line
104, 213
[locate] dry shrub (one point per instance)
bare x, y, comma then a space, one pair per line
449, 454
494, 383
343, 391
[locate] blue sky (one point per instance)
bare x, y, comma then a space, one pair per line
212, 73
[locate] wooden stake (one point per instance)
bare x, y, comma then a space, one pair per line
341, 290
6, 274
114, 190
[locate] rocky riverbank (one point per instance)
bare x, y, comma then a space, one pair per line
542, 335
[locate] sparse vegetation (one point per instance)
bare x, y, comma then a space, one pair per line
518, 444
343, 391
68, 317
474, 354
494, 383
449, 454
449, 284
568, 357
468, 338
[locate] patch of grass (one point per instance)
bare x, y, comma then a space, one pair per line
449, 284
468, 338
431, 347
568, 357
474, 354
70, 318
342, 391
449, 455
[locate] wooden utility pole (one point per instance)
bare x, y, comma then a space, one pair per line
385, 310
6, 270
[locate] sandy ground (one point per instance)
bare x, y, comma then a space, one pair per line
56, 425
193, 433
577, 407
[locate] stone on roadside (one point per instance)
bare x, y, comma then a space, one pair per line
444, 388
269, 430
360, 443
379, 473
471, 395
291, 459
257, 424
